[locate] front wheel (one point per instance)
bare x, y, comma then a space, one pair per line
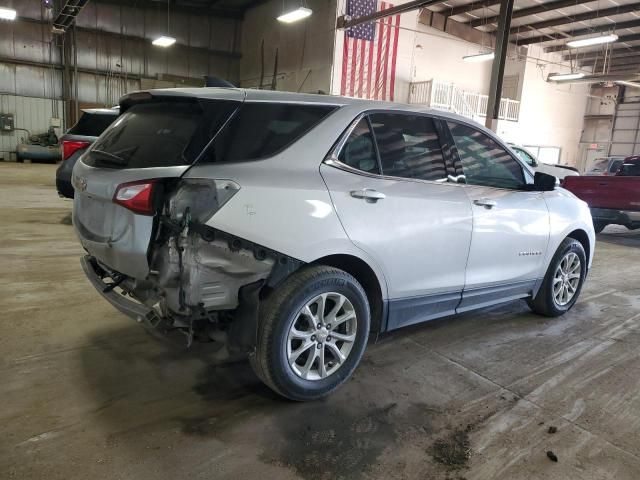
563, 281
312, 333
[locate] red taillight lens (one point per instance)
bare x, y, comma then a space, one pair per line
136, 196
70, 147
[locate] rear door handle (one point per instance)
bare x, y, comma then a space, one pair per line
368, 194
485, 202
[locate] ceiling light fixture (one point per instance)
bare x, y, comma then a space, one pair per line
7, 13
165, 40
480, 57
563, 77
295, 15
586, 42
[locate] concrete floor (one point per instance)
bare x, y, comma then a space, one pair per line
86, 393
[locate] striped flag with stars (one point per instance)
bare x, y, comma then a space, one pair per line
370, 53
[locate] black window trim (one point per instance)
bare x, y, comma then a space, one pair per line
527, 176
332, 160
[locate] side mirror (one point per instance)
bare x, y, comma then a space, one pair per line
543, 182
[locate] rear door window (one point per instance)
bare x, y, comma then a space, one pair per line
161, 133
409, 146
262, 129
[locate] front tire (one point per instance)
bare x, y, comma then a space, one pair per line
563, 281
312, 333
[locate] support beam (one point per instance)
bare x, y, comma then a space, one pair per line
497, 69
469, 7
579, 17
90, 71
525, 12
194, 10
345, 21
610, 27
618, 51
621, 63
629, 60
625, 38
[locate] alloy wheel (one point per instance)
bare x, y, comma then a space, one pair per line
566, 279
321, 336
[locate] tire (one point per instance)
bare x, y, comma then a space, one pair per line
599, 226
283, 310
546, 302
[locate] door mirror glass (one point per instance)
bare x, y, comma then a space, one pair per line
543, 182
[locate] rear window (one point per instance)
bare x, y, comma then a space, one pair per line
260, 130
160, 134
92, 124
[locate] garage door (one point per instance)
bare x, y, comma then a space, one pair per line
626, 130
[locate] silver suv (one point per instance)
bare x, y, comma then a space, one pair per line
291, 226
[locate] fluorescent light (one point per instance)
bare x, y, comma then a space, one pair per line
559, 77
295, 15
480, 57
7, 13
585, 42
164, 41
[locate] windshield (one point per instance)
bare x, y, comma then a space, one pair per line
525, 156
161, 133
615, 166
599, 165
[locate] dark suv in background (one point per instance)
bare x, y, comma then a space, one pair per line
78, 138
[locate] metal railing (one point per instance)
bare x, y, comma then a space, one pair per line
446, 96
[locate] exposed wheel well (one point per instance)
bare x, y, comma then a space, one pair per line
367, 278
583, 238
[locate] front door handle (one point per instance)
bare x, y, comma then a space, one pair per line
485, 202
368, 194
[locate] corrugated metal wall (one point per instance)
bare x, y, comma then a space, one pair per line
114, 52
31, 116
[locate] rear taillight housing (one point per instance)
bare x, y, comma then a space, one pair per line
69, 147
136, 196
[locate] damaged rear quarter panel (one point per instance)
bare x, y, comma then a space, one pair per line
289, 213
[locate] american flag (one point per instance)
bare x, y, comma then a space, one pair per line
369, 53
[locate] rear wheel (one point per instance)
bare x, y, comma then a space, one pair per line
312, 334
563, 281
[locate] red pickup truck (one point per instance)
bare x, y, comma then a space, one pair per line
614, 199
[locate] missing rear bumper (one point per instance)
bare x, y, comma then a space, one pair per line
129, 307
